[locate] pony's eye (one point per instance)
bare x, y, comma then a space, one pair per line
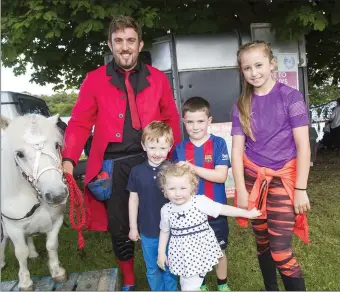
57, 145
20, 154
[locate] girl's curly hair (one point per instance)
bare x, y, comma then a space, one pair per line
172, 169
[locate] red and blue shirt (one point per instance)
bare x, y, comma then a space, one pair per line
212, 153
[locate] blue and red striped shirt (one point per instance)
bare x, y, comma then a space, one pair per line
212, 153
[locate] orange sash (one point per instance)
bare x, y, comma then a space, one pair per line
259, 192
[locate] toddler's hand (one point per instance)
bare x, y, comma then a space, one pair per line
253, 213
186, 163
162, 260
133, 234
181, 163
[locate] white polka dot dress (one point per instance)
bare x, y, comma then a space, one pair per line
193, 247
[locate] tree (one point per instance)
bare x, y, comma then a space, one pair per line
67, 38
323, 94
324, 57
60, 103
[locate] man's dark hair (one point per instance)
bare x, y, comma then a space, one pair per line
121, 22
195, 104
338, 100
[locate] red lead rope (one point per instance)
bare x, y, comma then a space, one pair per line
77, 206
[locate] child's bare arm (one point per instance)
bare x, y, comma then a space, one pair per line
238, 171
214, 209
163, 241
301, 138
133, 214
231, 211
217, 175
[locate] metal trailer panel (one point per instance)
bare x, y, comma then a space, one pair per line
161, 56
200, 52
303, 82
175, 79
169, 76
219, 87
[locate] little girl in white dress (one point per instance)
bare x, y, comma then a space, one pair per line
193, 247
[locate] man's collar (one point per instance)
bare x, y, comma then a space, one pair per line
142, 70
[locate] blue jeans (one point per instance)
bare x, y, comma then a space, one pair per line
158, 279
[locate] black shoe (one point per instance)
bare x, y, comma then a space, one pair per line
293, 284
268, 269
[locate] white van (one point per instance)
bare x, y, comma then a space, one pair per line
16, 104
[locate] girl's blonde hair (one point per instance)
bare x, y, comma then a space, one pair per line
172, 169
244, 102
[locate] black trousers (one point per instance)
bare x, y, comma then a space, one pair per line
117, 207
335, 137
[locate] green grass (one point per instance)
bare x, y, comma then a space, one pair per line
320, 260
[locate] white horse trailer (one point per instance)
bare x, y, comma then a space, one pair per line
206, 65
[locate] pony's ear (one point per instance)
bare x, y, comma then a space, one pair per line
54, 118
4, 122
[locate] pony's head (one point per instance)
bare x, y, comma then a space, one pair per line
34, 143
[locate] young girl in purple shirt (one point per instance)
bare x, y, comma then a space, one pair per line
270, 163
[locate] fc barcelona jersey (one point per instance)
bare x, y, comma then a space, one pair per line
212, 153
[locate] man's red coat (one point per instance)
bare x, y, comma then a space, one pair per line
103, 105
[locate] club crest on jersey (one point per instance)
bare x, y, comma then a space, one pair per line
208, 158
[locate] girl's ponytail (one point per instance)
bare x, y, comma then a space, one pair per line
245, 100
244, 107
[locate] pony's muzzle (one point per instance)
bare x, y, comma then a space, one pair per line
55, 198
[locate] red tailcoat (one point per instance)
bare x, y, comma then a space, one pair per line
103, 105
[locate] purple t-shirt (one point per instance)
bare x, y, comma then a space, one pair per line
273, 116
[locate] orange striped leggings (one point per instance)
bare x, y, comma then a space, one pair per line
276, 232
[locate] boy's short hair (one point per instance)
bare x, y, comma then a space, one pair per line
156, 130
195, 104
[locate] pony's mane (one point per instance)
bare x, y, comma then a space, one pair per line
35, 129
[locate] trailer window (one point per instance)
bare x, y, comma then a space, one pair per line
33, 106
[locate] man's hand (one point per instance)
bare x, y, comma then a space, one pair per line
301, 202
133, 234
68, 167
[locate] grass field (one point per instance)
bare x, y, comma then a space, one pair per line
320, 260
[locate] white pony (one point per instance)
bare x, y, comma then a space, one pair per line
33, 190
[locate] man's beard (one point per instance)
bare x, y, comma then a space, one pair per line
125, 64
